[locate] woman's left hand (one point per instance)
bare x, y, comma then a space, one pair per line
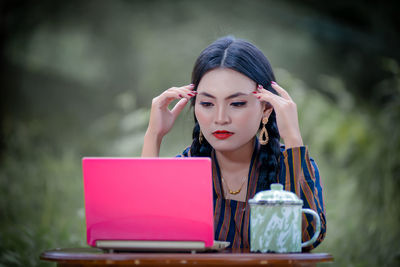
286, 114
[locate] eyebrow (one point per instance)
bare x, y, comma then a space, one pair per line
228, 97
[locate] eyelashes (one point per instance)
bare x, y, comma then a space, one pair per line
234, 104
239, 104
206, 104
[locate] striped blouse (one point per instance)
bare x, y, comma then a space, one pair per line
298, 173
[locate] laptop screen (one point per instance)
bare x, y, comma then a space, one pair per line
148, 199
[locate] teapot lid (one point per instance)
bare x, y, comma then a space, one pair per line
276, 196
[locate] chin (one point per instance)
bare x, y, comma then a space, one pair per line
224, 149
226, 146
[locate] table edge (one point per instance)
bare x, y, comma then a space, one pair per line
69, 257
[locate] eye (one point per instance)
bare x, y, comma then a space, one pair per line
206, 104
239, 104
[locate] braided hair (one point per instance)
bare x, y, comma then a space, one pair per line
243, 57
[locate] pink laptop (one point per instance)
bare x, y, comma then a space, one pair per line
149, 203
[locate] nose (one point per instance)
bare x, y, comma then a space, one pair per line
221, 116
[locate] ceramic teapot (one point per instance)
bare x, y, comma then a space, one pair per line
275, 221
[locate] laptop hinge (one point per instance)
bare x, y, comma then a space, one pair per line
149, 245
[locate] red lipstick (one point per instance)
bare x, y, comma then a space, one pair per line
222, 134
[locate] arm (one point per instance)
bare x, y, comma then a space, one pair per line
151, 145
162, 118
299, 174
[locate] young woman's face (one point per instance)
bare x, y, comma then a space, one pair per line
228, 112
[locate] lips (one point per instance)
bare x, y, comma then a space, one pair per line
222, 134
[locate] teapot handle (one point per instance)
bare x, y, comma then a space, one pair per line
318, 228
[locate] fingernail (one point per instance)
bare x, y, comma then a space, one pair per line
258, 97
190, 95
191, 84
180, 96
255, 92
194, 92
259, 86
273, 82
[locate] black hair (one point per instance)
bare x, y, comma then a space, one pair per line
243, 57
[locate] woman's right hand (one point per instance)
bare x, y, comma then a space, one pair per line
161, 117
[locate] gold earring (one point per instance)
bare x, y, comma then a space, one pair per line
200, 137
263, 138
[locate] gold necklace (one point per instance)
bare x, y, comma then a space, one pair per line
234, 192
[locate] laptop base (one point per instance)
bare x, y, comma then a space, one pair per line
111, 246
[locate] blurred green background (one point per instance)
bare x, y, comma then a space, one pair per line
77, 79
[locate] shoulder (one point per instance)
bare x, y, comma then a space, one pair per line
303, 150
282, 148
296, 153
185, 153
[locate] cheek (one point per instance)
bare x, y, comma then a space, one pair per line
252, 121
251, 118
200, 114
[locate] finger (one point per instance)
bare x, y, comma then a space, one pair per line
189, 87
184, 91
167, 97
179, 107
281, 91
269, 97
175, 93
261, 88
187, 93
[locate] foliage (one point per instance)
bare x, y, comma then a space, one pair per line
77, 80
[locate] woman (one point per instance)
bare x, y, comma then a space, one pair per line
235, 95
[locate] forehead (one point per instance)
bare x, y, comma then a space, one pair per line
225, 81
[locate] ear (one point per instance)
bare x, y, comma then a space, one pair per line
267, 110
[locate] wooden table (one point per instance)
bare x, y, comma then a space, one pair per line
96, 257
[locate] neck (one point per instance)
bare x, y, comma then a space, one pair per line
235, 160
